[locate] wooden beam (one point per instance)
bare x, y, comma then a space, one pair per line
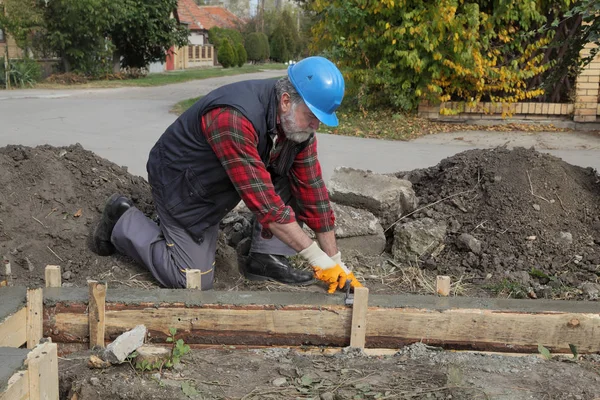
13, 330
35, 317
449, 326
17, 387
193, 278
42, 365
53, 277
443, 285
359, 317
96, 313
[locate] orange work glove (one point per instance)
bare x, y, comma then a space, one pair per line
354, 283
330, 270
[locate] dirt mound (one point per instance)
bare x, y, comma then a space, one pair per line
535, 217
49, 201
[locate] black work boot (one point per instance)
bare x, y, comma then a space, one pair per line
272, 267
115, 206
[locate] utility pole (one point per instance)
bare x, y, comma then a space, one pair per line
6, 63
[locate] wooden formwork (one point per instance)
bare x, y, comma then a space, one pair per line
294, 319
21, 326
37, 378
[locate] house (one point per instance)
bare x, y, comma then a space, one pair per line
199, 19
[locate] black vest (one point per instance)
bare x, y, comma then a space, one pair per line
184, 172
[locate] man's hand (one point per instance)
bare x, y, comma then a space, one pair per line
328, 270
354, 283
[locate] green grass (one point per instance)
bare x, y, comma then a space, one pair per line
180, 107
168, 78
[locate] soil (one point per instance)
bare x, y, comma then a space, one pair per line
415, 372
537, 219
51, 198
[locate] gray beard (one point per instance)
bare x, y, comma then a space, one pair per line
298, 137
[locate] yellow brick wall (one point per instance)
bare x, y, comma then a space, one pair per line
13, 50
587, 90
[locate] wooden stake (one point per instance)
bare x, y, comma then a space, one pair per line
443, 285
35, 317
53, 278
42, 366
96, 313
193, 279
7, 281
359, 317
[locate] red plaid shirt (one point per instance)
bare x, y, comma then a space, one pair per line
235, 142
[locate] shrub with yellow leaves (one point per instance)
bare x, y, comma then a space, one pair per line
398, 52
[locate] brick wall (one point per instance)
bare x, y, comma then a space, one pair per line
587, 90
13, 50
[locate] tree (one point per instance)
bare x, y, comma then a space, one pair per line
290, 33
279, 50
225, 54
18, 18
242, 57
255, 47
145, 31
77, 30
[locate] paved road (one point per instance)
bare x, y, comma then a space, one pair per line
123, 124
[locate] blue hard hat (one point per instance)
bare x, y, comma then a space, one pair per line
321, 85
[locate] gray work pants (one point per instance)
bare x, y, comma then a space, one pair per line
168, 250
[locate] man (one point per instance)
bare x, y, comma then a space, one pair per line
252, 140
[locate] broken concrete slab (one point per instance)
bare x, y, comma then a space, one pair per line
387, 197
415, 239
125, 344
356, 230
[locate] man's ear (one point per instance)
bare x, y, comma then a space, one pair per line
285, 102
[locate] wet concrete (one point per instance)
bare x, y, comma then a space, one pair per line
196, 298
11, 361
12, 299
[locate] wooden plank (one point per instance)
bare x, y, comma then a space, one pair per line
35, 317
96, 313
53, 278
42, 365
17, 387
443, 285
474, 329
359, 317
13, 330
193, 278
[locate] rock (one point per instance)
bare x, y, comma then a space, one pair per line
468, 243
278, 382
418, 238
66, 275
356, 230
537, 207
386, 197
127, 343
591, 290
95, 381
564, 238
327, 396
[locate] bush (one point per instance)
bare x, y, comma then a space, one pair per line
22, 73
225, 54
242, 56
257, 47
